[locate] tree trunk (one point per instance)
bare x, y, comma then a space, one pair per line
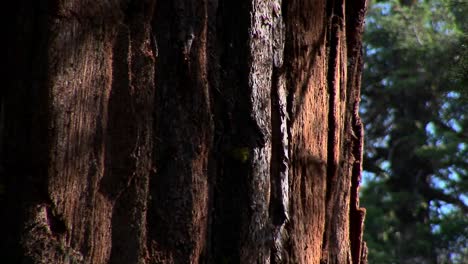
182, 132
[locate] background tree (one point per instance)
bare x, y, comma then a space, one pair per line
182, 132
415, 111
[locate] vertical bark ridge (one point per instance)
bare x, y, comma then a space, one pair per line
305, 54
336, 244
80, 84
256, 248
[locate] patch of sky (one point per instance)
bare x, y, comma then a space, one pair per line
462, 147
455, 125
453, 95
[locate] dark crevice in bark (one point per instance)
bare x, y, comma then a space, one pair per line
161, 183
183, 133
355, 15
276, 210
120, 133
333, 53
332, 166
56, 222
232, 134
279, 163
25, 135
357, 214
279, 170
121, 139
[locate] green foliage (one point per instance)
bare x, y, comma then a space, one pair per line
240, 154
415, 108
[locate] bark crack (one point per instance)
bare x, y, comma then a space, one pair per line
355, 21
279, 166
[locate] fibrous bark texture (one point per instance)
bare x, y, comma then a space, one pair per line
182, 132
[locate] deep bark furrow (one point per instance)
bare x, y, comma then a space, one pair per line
355, 19
234, 140
279, 167
129, 216
179, 188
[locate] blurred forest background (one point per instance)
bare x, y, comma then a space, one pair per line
415, 109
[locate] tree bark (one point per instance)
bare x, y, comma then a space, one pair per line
183, 132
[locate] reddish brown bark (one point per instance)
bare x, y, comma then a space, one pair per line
183, 132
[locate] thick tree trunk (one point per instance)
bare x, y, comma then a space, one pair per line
183, 132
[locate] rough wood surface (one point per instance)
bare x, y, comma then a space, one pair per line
183, 132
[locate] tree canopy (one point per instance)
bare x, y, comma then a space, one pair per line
414, 107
